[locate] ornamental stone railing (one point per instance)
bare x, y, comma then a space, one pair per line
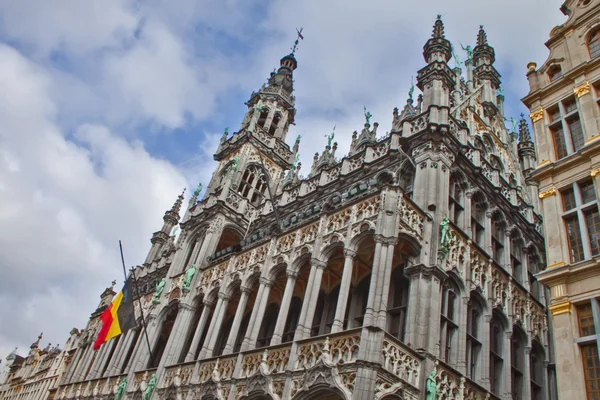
343, 349
452, 386
400, 360
178, 375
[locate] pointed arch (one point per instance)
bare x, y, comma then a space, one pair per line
253, 185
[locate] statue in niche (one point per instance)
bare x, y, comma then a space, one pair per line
445, 232
159, 289
431, 387
121, 389
189, 274
150, 387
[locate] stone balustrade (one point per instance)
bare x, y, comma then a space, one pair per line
400, 360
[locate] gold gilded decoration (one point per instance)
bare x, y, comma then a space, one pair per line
537, 115
592, 139
560, 308
548, 193
582, 90
542, 163
556, 264
594, 172
531, 66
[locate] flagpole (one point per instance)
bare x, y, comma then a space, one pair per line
139, 301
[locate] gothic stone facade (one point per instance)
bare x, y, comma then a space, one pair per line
37, 376
563, 99
343, 291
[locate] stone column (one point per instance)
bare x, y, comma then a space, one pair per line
468, 228
260, 305
102, 356
385, 288
140, 355
208, 305
340, 311
83, 364
310, 299
118, 353
527, 373
482, 371
506, 366
131, 343
370, 312
215, 326
237, 320
507, 255
463, 314
285, 307
180, 330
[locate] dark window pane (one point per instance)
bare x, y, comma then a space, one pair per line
594, 45
591, 366
568, 199
588, 192
570, 106
555, 73
592, 220
560, 147
554, 114
576, 133
586, 320
574, 237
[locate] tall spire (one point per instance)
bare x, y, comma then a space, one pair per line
438, 28
481, 37
524, 135
173, 213
437, 47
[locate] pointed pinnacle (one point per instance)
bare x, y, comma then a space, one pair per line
481, 37
177, 206
524, 135
438, 28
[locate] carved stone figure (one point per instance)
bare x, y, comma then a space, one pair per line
121, 389
198, 190
159, 289
368, 115
431, 387
150, 387
469, 51
189, 274
444, 232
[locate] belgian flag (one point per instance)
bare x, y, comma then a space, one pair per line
119, 317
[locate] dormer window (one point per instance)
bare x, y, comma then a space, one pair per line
554, 73
594, 44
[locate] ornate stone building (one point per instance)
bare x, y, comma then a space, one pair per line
408, 261
563, 100
36, 376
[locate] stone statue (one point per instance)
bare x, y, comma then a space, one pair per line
456, 58
444, 232
298, 138
431, 387
410, 91
150, 387
330, 137
368, 115
469, 51
235, 163
513, 121
189, 274
121, 389
500, 91
296, 159
175, 230
198, 190
159, 289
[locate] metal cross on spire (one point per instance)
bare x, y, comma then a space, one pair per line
299, 32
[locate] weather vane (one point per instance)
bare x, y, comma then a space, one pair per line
299, 31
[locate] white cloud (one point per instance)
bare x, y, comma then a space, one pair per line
65, 206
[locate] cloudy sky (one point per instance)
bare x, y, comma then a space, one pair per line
109, 108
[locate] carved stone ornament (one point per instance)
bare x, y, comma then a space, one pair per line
537, 115
547, 193
582, 90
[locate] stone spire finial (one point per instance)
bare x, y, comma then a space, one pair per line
481, 37
177, 205
438, 28
524, 135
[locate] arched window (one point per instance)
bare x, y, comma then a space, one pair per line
498, 237
456, 200
537, 371
517, 362
268, 325
449, 321
253, 185
594, 44
496, 355
406, 178
397, 304
262, 118
516, 256
291, 322
478, 219
554, 73
163, 338
474, 317
275, 124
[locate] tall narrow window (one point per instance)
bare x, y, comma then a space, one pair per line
253, 185
516, 257
478, 219
581, 208
274, 124
589, 348
456, 201
498, 238
473, 340
262, 118
594, 44
576, 133
496, 359
517, 363
448, 323
537, 371
560, 147
397, 304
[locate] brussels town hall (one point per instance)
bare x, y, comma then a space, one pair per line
403, 270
